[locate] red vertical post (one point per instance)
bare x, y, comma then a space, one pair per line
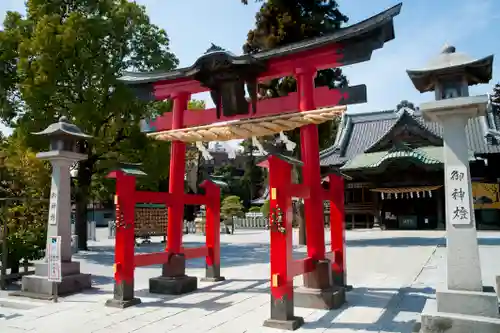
318, 291
309, 139
212, 269
173, 280
337, 229
123, 295
176, 181
282, 312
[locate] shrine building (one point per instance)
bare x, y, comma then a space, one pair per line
393, 159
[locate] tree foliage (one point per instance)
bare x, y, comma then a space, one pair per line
495, 96
231, 206
281, 22
265, 208
254, 209
25, 183
252, 180
64, 58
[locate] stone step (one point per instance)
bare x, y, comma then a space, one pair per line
433, 321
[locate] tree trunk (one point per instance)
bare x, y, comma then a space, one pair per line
82, 195
14, 265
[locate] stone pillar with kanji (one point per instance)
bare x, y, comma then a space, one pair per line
464, 304
62, 155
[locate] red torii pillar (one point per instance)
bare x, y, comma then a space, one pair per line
337, 230
212, 229
319, 290
123, 294
309, 144
173, 279
280, 206
176, 181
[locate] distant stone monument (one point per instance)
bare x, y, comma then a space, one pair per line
62, 154
464, 305
201, 220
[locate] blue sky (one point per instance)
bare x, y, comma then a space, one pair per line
422, 28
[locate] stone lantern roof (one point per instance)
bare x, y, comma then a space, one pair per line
451, 62
63, 128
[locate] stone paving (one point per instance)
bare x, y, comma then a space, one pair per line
393, 273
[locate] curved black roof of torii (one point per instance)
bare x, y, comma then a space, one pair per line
363, 37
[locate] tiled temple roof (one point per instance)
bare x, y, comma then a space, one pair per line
358, 132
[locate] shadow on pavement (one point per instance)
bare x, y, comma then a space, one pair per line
215, 302
397, 307
393, 309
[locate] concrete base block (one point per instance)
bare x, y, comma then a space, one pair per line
67, 268
474, 303
122, 304
173, 285
434, 321
213, 279
212, 274
331, 298
39, 285
289, 325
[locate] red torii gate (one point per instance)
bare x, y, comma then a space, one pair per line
173, 279
225, 76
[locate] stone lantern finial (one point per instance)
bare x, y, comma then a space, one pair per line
450, 73
448, 49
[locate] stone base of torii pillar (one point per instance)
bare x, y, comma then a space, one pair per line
465, 305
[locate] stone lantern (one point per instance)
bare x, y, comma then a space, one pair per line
62, 155
464, 305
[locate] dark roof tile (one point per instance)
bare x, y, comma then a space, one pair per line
366, 129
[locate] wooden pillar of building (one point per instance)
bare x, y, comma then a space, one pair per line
376, 213
440, 209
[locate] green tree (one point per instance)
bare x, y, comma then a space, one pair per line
231, 206
253, 176
254, 209
265, 208
25, 182
197, 104
495, 96
64, 58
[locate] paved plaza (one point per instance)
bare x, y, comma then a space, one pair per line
393, 273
